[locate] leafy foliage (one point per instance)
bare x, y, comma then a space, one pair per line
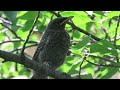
102, 24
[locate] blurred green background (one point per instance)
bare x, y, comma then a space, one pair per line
102, 24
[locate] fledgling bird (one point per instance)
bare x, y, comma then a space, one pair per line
53, 46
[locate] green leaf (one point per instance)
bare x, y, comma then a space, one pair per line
113, 13
76, 35
80, 18
118, 47
69, 63
74, 69
108, 72
89, 68
99, 13
20, 33
2, 36
6, 68
27, 15
41, 25
17, 44
1, 27
82, 43
103, 47
11, 15
88, 76
111, 30
89, 26
27, 25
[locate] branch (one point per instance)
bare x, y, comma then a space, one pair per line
7, 56
25, 47
16, 40
81, 66
30, 33
102, 58
115, 66
116, 30
116, 35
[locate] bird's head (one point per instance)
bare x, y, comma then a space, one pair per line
58, 23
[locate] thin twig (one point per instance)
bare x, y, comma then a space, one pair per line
51, 17
116, 30
110, 21
106, 34
22, 52
25, 47
102, 58
11, 31
16, 64
115, 66
17, 41
81, 66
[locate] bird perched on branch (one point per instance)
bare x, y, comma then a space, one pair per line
53, 46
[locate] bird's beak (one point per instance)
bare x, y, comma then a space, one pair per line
67, 19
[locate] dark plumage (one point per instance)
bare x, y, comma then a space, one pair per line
53, 46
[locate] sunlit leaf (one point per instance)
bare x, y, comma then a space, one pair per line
103, 47
82, 43
113, 13
108, 72
27, 15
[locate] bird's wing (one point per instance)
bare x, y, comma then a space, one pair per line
39, 49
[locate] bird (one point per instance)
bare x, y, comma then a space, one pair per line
53, 46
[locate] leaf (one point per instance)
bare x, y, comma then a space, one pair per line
82, 43
113, 13
103, 47
99, 13
89, 25
20, 33
41, 25
76, 35
17, 44
89, 68
108, 72
69, 62
6, 68
11, 15
2, 36
111, 30
88, 76
118, 47
27, 15
80, 18
27, 25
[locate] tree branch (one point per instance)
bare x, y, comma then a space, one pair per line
17, 40
81, 66
116, 30
25, 47
7, 56
102, 58
115, 66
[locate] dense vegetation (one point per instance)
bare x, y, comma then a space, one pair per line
95, 48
